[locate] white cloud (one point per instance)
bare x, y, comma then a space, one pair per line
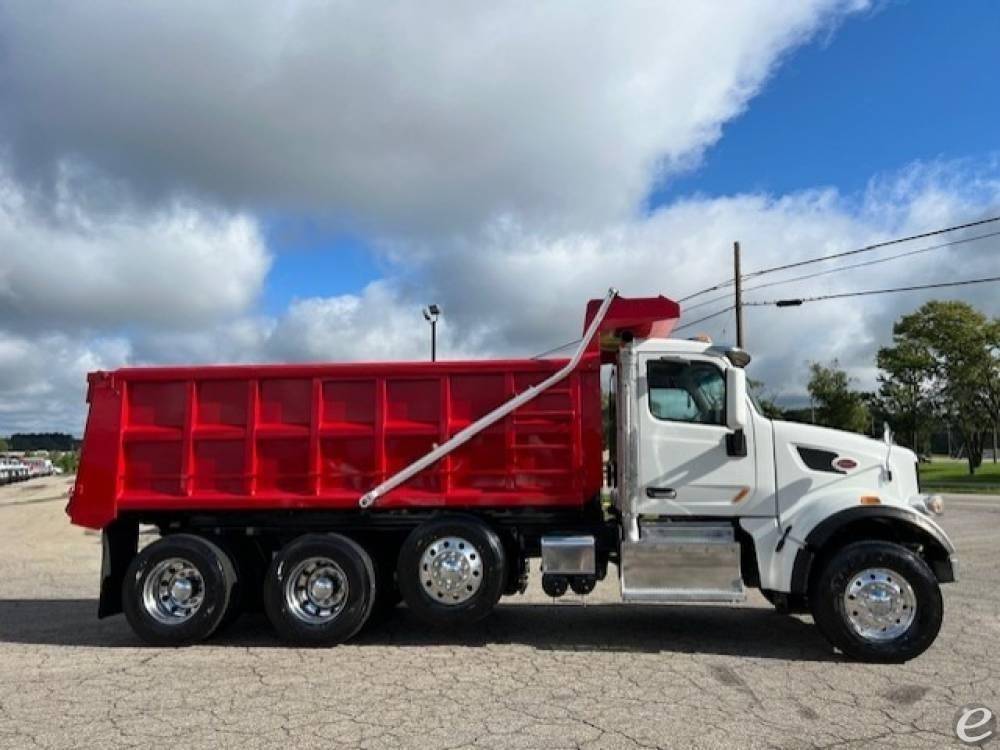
403, 117
43, 379
530, 288
382, 322
84, 274
74, 265
514, 291
376, 322
498, 155
521, 292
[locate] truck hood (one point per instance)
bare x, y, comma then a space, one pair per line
820, 456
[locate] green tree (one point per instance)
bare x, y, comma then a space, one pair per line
765, 399
4, 447
905, 399
68, 462
955, 348
837, 405
993, 379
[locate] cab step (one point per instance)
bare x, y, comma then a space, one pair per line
682, 562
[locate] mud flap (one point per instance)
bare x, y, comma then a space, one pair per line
119, 543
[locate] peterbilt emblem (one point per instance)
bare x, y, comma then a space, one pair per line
844, 464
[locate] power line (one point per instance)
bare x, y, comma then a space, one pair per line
707, 317
706, 303
852, 266
865, 249
801, 300
706, 290
865, 263
557, 348
869, 248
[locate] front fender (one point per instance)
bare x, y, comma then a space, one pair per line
777, 544
786, 553
914, 526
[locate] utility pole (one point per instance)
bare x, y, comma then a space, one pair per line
738, 285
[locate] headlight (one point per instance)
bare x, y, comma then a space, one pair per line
928, 504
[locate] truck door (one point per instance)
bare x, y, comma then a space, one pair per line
688, 462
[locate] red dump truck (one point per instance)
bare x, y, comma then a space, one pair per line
328, 492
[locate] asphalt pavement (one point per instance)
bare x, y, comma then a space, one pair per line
578, 673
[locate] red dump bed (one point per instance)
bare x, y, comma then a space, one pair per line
320, 436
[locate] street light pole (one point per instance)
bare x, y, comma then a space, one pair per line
431, 315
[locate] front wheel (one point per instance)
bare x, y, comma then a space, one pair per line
877, 601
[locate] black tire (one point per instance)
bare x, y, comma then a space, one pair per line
488, 559
829, 608
323, 627
147, 615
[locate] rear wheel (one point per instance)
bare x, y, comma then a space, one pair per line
178, 590
320, 589
452, 570
877, 601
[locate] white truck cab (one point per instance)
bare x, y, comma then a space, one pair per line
714, 497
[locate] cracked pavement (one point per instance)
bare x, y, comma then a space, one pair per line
572, 674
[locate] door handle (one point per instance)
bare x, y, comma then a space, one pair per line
661, 493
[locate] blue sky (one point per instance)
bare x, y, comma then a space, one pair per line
314, 262
912, 81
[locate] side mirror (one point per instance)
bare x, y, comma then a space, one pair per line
736, 399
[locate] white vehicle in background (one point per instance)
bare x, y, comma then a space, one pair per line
38, 467
13, 470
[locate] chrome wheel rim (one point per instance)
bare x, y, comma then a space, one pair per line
316, 590
174, 590
879, 604
451, 570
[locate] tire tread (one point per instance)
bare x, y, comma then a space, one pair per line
826, 601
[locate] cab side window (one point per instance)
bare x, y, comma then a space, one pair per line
686, 392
